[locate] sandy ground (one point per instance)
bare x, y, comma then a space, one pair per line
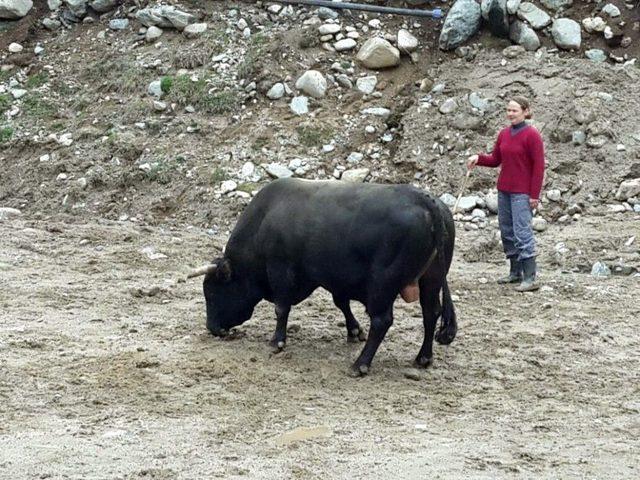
107, 371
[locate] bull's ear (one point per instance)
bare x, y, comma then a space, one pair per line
223, 272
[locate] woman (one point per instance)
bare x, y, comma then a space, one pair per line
519, 152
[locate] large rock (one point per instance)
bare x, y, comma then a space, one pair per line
462, 22
77, 7
628, 189
556, 4
165, 16
496, 15
312, 83
14, 9
377, 53
536, 17
102, 6
512, 6
566, 33
524, 35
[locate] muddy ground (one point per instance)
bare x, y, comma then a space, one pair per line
107, 370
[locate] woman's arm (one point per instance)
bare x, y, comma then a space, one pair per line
487, 160
536, 157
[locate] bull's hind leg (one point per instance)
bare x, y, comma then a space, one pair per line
280, 336
431, 309
354, 331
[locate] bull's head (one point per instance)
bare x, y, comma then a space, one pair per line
228, 298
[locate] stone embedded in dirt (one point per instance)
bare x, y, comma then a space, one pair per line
14, 9
478, 101
536, 17
513, 51
355, 157
539, 224
152, 34
566, 33
381, 112
491, 199
600, 270
628, 189
119, 24
165, 16
277, 170
468, 203
51, 24
18, 93
299, 105
7, 213
594, 24
15, 48
344, 81
103, 6
554, 195
355, 175
596, 141
611, 10
329, 28
194, 30
325, 13
228, 186
77, 7
377, 53
596, 55
448, 199
151, 254
313, 83
276, 92
556, 4
524, 35
478, 213
159, 106
405, 41
367, 85
345, 44
461, 23
155, 89
448, 106
578, 137
497, 17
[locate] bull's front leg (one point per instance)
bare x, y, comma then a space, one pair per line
280, 336
354, 331
380, 324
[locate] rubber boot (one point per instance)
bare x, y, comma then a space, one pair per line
515, 272
529, 276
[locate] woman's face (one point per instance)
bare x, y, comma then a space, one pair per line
515, 113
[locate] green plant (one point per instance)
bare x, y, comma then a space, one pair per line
38, 107
185, 91
116, 75
314, 136
5, 134
250, 63
248, 187
163, 170
165, 84
219, 175
5, 103
37, 80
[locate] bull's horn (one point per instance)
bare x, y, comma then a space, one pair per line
203, 270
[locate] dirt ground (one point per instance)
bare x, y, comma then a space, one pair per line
107, 370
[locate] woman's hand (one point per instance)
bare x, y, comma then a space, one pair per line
472, 161
534, 203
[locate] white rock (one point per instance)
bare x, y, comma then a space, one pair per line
276, 92
194, 30
155, 89
65, 139
377, 112
536, 17
367, 85
628, 189
600, 270
329, 28
448, 106
313, 83
539, 224
377, 53
18, 93
406, 42
14, 9
448, 199
355, 157
468, 203
566, 33
554, 195
228, 186
6, 213
248, 169
277, 170
345, 44
356, 175
299, 105
152, 34
611, 10
15, 48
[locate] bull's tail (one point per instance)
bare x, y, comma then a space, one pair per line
448, 325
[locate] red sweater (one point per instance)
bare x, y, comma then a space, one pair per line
521, 157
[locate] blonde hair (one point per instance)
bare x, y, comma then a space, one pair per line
524, 104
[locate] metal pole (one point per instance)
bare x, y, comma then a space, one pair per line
436, 13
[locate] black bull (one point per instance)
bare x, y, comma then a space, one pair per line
361, 242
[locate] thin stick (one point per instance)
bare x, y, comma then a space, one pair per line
464, 185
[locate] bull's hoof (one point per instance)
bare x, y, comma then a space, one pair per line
359, 370
277, 345
356, 335
423, 362
445, 336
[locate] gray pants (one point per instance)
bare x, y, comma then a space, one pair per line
514, 217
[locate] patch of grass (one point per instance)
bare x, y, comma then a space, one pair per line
5, 75
314, 136
219, 175
184, 91
162, 172
37, 80
5, 103
165, 84
259, 143
5, 134
248, 187
116, 75
250, 63
35, 106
